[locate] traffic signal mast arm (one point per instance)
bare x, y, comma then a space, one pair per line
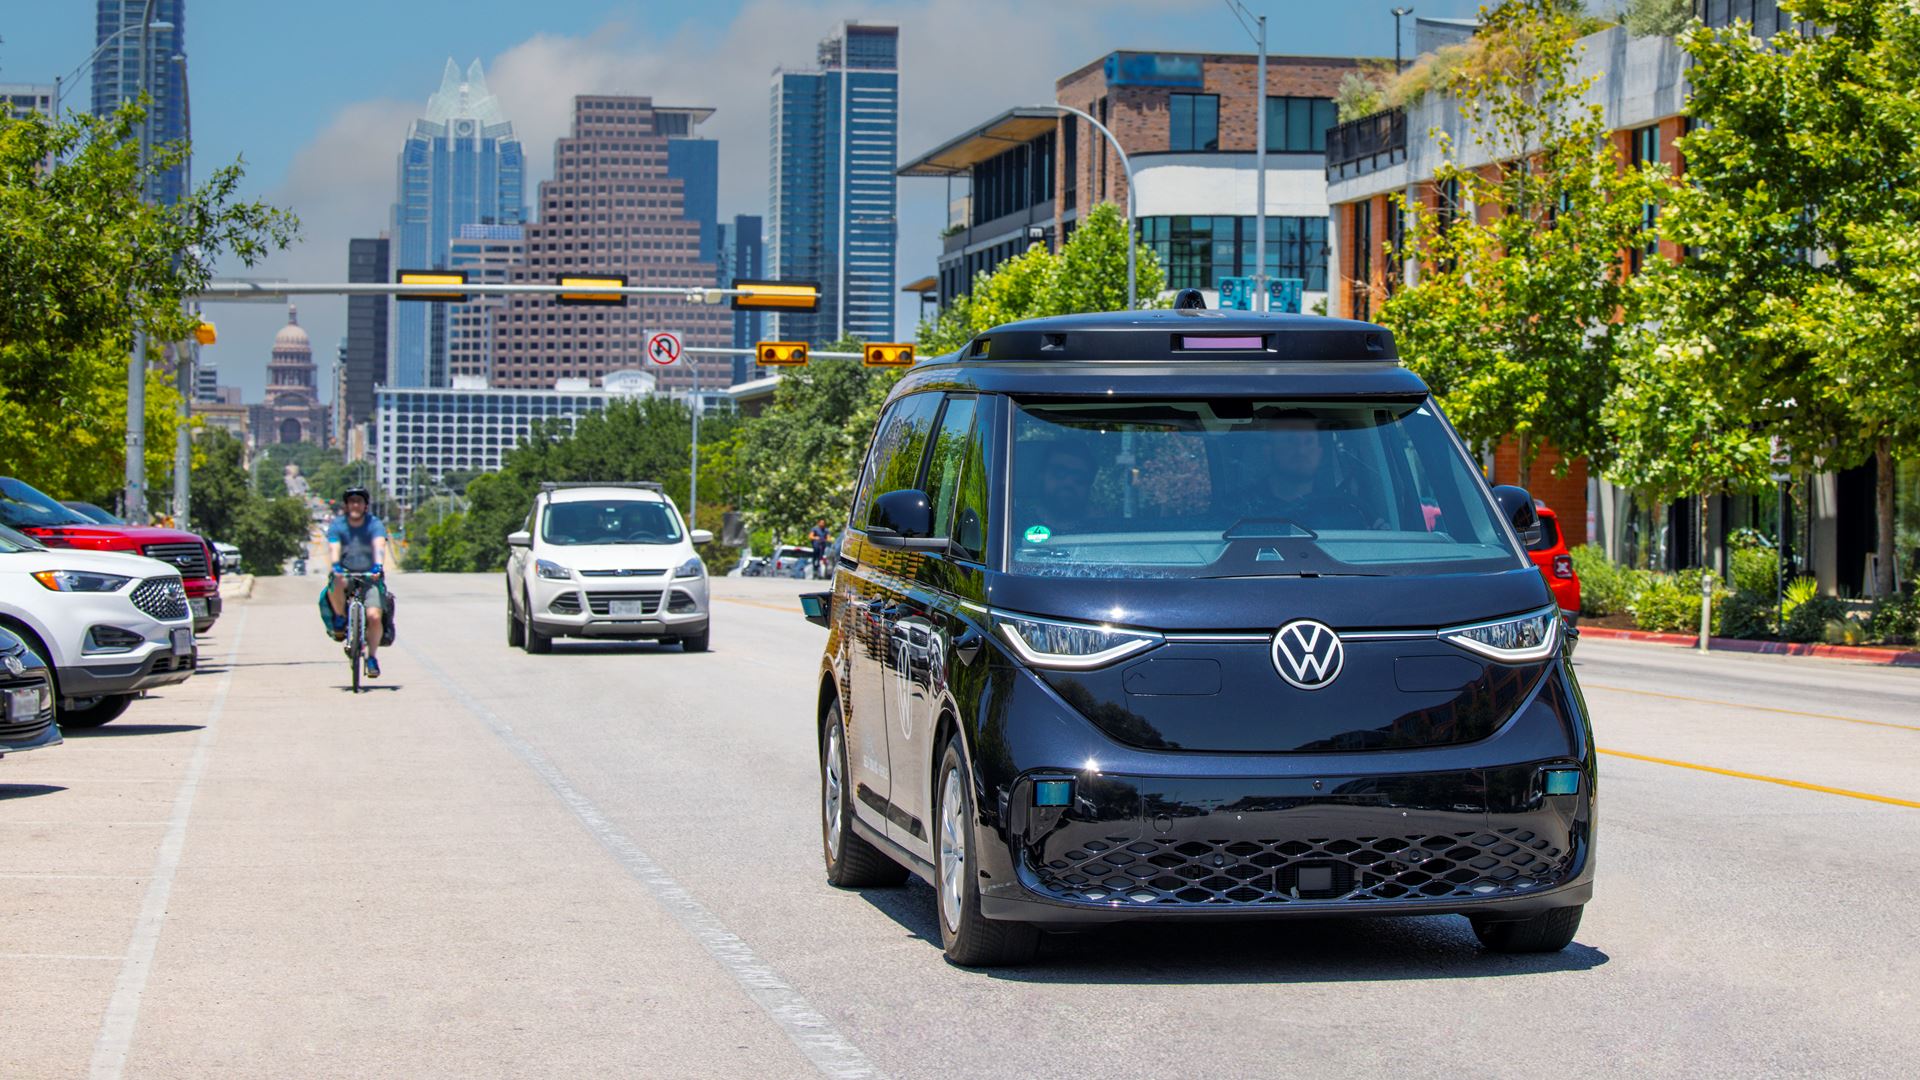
745, 296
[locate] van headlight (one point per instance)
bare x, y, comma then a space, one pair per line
1517, 640
691, 568
1049, 643
552, 571
79, 581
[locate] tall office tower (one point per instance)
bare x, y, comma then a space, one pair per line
832, 197
21, 100
461, 165
206, 382
742, 255
116, 74
488, 253
367, 357
612, 207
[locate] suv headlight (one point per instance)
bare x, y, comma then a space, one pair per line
80, 581
691, 568
1048, 643
1517, 640
552, 571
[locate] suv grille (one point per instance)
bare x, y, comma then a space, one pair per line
567, 603
1445, 866
189, 559
161, 597
622, 573
602, 603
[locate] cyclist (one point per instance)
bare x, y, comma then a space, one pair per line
357, 543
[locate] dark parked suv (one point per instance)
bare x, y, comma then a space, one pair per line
1195, 614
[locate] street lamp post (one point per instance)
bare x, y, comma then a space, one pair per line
137, 363
1259, 32
1055, 110
187, 360
59, 84
1397, 14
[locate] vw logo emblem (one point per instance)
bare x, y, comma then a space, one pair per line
15, 667
1308, 654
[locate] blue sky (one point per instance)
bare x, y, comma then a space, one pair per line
315, 96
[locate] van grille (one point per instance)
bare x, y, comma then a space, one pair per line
162, 598
1252, 873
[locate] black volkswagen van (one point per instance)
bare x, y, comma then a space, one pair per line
1192, 613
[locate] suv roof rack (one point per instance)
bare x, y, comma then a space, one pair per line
562, 485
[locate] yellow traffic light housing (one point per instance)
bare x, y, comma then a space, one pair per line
589, 282
433, 277
204, 333
781, 353
777, 295
890, 355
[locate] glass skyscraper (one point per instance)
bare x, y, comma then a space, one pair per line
832, 195
743, 255
461, 165
116, 74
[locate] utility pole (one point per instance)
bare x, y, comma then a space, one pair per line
1397, 13
187, 358
136, 507
1259, 32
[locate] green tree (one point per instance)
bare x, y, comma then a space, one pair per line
1794, 313
268, 531
1089, 274
84, 263
1512, 318
801, 457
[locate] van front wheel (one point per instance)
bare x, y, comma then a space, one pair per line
970, 938
1547, 932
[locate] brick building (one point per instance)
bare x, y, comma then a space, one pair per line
612, 207
1188, 123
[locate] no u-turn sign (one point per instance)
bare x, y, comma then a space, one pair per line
663, 347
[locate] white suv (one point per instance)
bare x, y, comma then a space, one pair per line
606, 561
110, 625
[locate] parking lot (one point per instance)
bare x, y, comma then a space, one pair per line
605, 861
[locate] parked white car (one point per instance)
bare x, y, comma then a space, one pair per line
229, 557
110, 625
606, 561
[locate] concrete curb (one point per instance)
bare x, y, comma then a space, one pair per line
236, 587
1892, 657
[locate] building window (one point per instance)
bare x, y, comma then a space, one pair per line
1645, 151
1360, 296
1298, 125
1199, 251
1193, 121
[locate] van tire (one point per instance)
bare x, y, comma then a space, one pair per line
1549, 931
852, 863
971, 940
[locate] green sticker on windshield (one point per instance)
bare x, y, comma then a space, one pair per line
1038, 534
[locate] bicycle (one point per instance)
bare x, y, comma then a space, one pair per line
357, 583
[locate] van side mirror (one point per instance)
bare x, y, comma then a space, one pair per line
1516, 505
520, 539
903, 520
817, 607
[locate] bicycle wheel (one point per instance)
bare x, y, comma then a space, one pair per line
356, 638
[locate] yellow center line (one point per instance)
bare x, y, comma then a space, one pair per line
761, 604
1738, 705
1802, 785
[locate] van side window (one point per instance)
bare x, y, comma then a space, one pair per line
897, 450
947, 459
972, 516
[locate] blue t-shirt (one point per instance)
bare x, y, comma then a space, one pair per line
356, 542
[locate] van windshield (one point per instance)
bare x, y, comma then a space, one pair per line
1240, 487
609, 521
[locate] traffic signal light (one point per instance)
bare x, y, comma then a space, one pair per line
204, 333
433, 277
782, 353
592, 281
777, 295
892, 355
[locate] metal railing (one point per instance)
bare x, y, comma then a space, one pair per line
1374, 140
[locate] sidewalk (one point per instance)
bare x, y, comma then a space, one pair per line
1860, 653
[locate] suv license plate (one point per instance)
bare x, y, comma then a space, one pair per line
183, 642
199, 606
627, 607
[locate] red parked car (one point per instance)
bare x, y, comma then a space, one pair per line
34, 512
1556, 564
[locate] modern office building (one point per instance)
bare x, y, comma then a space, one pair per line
367, 325
1188, 123
487, 253
421, 434
461, 165
206, 382
21, 100
743, 255
292, 412
116, 74
832, 195
613, 207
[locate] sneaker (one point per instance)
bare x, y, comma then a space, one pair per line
372, 668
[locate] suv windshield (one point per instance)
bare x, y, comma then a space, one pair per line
24, 506
1241, 487
609, 521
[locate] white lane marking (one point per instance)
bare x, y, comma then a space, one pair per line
812, 1033
74, 877
123, 1009
54, 956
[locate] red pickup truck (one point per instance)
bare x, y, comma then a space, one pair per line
32, 511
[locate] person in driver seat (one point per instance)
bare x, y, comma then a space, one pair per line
1295, 486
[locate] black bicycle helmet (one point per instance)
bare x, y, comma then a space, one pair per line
352, 491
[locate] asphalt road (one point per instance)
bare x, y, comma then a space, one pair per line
604, 862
